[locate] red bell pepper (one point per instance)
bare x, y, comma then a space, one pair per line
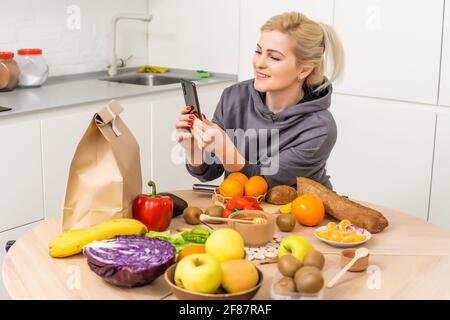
152, 210
240, 203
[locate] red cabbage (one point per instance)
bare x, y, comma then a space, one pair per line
130, 261
355, 229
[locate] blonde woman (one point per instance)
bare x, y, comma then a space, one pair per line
289, 96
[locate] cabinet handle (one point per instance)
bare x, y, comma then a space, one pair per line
9, 244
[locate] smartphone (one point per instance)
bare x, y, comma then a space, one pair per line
191, 97
4, 108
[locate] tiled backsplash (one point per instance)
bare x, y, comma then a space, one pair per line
74, 35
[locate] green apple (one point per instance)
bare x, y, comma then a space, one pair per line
199, 273
225, 244
295, 245
179, 271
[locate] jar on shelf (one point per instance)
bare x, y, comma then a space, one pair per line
9, 71
33, 67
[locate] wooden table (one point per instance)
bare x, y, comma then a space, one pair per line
409, 260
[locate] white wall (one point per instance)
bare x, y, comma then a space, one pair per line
195, 34
43, 24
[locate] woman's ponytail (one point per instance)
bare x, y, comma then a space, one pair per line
333, 52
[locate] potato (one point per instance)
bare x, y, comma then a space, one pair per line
281, 195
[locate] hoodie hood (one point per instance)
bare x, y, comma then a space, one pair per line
292, 114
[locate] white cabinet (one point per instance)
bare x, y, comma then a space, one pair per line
384, 38
255, 12
440, 188
444, 92
61, 135
20, 175
137, 116
168, 158
383, 152
6, 236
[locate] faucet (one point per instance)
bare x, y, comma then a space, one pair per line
112, 68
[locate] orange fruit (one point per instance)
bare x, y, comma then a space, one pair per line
231, 188
255, 186
190, 250
239, 176
344, 224
308, 209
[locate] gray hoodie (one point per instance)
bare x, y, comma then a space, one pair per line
306, 135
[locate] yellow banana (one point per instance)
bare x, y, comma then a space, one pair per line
71, 242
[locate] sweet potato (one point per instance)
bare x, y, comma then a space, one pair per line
343, 208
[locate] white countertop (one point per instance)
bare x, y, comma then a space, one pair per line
72, 90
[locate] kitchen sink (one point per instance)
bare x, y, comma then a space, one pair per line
145, 79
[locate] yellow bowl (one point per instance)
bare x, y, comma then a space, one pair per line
184, 294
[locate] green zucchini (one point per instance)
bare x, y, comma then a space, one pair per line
178, 203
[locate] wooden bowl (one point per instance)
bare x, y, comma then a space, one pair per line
360, 265
254, 235
184, 294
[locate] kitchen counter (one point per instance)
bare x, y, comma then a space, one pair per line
408, 260
65, 91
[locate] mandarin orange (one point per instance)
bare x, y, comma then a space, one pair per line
308, 209
231, 188
255, 186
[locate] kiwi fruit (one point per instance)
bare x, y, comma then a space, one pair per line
285, 284
285, 222
192, 215
288, 265
214, 211
308, 280
314, 258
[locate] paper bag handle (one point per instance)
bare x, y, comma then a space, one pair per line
108, 114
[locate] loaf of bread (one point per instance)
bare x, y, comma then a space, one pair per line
342, 208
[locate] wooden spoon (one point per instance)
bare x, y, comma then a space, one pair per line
206, 218
360, 253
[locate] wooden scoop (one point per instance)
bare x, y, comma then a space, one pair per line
360, 253
257, 220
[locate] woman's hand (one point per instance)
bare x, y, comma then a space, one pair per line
210, 137
185, 137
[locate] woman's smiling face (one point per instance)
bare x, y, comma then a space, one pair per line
274, 63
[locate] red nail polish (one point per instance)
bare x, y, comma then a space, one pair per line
188, 108
191, 117
190, 123
203, 116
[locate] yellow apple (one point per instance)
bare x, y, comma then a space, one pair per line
199, 272
238, 275
295, 245
225, 244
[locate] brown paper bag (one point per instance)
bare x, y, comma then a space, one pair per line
105, 173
